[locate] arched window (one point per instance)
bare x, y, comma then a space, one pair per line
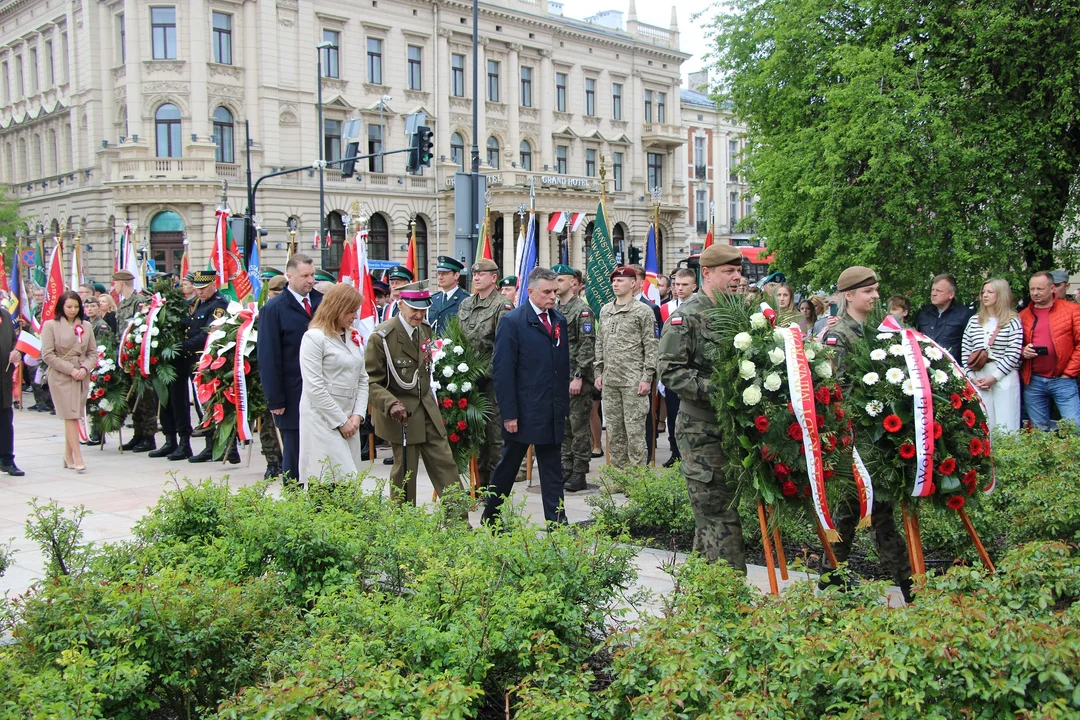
379, 237
223, 136
457, 150
421, 248
331, 256
493, 152
167, 241
167, 126
526, 155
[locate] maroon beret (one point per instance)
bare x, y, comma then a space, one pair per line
623, 271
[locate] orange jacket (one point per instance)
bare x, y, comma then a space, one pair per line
1064, 329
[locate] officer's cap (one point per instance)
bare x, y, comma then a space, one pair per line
379, 286
856, 277
269, 272
323, 276
448, 264
400, 272
508, 281
415, 296
717, 254
203, 278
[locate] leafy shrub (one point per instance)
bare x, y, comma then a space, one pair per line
6, 558
656, 504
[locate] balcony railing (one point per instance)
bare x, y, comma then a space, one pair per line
662, 135
164, 169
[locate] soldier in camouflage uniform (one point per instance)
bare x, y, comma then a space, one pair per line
859, 288
577, 444
144, 415
625, 367
685, 367
478, 315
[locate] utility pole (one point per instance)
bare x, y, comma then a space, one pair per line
478, 97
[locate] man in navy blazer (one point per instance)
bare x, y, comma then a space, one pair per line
282, 324
532, 387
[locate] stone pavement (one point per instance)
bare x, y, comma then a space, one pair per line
118, 488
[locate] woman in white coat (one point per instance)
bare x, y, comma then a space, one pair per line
335, 395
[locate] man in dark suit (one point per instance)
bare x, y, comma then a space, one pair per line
532, 386
9, 358
282, 324
445, 303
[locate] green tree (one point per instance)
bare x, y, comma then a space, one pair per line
914, 137
9, 222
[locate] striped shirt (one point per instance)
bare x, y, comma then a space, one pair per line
1004, 353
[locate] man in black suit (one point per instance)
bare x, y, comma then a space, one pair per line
282, 324
9, 358
532, 386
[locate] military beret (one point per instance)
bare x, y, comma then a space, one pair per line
623, 271
277, 283
856, 277
323, 276
400, 272
415, 296
269, 272
508, 281
380, 287
123, 276
561, 269
203, 278
1059, 276
718, 254
485, 265
98, 287
448, 264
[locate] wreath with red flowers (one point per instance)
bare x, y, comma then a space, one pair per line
107, 402
161, 343
458, 366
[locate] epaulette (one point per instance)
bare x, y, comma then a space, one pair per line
382, 331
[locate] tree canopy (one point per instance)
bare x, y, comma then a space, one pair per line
912, 137
9, 222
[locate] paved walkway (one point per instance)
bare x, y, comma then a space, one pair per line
118, 488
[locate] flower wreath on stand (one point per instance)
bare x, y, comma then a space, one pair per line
920, 425
457, 366
227, 378
782, 418
149, 343
107, 403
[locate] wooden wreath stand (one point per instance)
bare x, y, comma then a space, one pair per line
773, 540
915, 546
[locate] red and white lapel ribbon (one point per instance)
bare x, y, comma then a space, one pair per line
156, 303
243, 338
801, 389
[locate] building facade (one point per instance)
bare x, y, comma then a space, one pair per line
135, 111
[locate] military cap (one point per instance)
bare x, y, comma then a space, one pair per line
485, 265
717, 254
1059, 276
123, 276
856, 277
448, 264
623, 271
380, 287
98, 287
400, 272
415, 296
203, 278
278, 282
269, 272
508, 281
323, 276
561, 269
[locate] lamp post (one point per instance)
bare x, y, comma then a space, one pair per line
324, 45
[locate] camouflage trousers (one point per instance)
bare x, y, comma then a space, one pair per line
625, 412
718, 531
144, 417
890, 545
271, 449
577, 444
491, 450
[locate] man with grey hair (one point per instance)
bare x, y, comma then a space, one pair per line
532, 387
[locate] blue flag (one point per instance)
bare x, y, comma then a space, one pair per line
528, 261
254, 270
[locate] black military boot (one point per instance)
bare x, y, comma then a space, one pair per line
576, 483
206, 455
145, 445
273, 470
182, 451
165, 450
233, 457
130, 444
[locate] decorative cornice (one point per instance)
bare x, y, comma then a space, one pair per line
176, 67
217, 70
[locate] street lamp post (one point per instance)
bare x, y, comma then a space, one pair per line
324, 45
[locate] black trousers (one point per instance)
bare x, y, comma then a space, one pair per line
290, 454
549, 457
671, 400
7, 435
175, 417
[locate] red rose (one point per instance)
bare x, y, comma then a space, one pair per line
761, 423
794, 432
937, 431
788, 488
956, 401
802, 448
839, 412
454, 437
848, 426
831, 442
947, 466
820, 421
153, 361
462, 403
975, 447
461, 424
103, 413
907, 451
447, 403
955, 502
839, 395
218, 413
969, 418
217, 363
823, 396
845, 441
767, 454
828, 473
892, 423
781, 470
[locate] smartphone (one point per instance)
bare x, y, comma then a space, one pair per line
834, 309
1041, 350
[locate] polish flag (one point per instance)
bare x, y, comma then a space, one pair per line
368, 312
557, 222
29, 344
315, 241
575, 221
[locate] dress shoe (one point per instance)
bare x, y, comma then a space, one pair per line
94, 440
205, 456
388, 461
11, 469
33, 407
182, 451
576, 483
130, 444
233, 457
146, 445
597, 453
165, 450
672, 460
273, 470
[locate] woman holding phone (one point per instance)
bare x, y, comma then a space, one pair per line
993, 340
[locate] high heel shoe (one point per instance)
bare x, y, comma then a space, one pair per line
66, 466
79, 468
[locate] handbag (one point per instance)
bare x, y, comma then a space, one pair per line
978, 358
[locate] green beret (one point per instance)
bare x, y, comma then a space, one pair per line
718, 254
508, 281
856, 277
561, 269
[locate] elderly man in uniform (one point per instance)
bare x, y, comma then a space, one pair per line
479, 314
210, 306
145, 407
858, 286
508, 289
403, 407
446, 302
625, 367
581, 337
398, 277
686, 369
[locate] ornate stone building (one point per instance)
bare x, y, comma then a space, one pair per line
126, 110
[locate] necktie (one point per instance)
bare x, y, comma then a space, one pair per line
544, 319
307, 307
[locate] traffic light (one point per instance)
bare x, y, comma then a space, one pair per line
420, 150
635, 255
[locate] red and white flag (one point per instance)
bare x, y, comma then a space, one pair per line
557, 222
368, 312
29, 344
315, 241
575, 221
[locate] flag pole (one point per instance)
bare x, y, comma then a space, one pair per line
654, 400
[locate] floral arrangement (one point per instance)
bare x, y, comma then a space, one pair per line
457, 369
920, 424
781, 413
226, 377
107, 402
152, 340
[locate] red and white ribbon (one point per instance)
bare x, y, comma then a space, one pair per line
121, 352
243, 337
801, 389
864, 487
156, 303
923, 405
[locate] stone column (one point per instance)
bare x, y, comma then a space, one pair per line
577, 248
543, 239
547, 106
138, 45
442, 108
513, 101
480, 96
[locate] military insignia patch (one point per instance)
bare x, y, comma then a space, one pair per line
676, 321
584, 313
656, 330
219, 313
586, 328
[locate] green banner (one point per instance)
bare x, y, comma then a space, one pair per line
600, 265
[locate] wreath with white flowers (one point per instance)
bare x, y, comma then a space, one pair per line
107, 402
457, 366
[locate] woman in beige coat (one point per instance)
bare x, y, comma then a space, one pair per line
69, 349
335, 395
